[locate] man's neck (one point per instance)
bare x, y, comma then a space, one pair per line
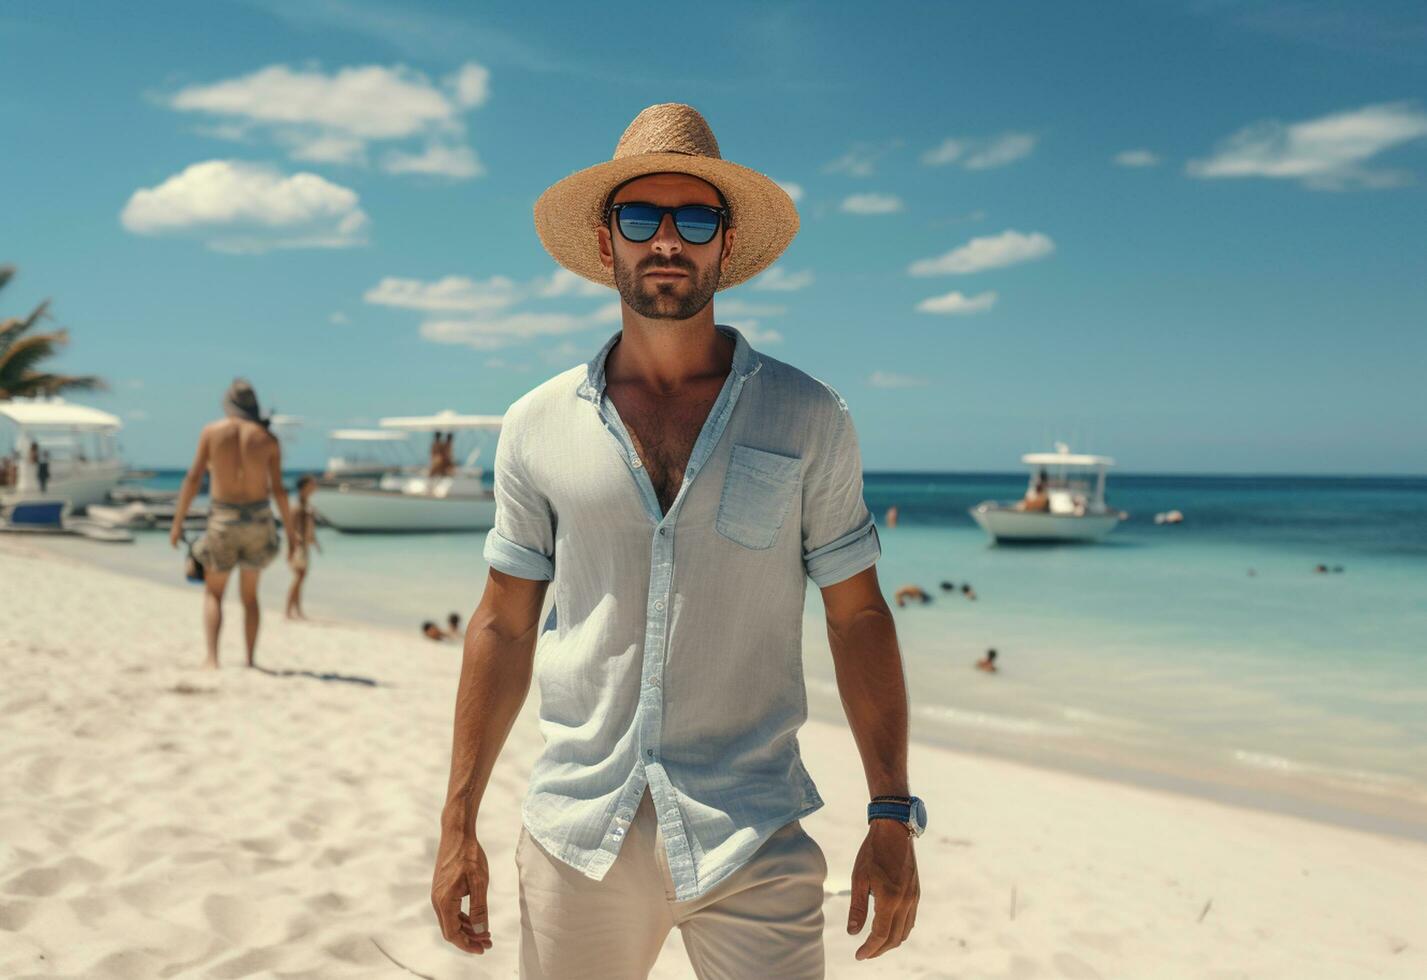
663, 356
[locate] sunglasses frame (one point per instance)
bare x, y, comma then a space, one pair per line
614, 209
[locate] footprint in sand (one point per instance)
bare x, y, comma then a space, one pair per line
45, 881
14, 915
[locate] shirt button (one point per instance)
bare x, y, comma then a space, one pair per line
659, 604
654, 681
661, 530
636, 462
650, 753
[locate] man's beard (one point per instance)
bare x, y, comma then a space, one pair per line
658, 300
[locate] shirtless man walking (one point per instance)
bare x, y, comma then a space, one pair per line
245, 463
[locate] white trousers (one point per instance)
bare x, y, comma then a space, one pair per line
763, 920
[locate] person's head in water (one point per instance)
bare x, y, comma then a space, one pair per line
306, 483
432, 631
455, 622
666, 277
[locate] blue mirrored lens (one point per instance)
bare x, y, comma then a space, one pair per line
638, 222
697, 225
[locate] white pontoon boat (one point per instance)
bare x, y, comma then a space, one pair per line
81, 443
407, 499
1073, 486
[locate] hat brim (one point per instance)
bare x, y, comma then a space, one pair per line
569, 214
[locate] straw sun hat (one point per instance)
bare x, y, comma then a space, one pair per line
666, 138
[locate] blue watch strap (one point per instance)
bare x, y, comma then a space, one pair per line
896, 811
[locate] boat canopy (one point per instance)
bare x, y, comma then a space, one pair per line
56, 413
1065, 459
441, 421
367, 435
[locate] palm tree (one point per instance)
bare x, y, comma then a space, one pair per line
20, 355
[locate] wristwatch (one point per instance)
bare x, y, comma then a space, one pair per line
909, 811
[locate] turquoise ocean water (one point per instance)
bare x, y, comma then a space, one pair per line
1207, 657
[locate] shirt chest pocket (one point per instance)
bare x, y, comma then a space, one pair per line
757, 492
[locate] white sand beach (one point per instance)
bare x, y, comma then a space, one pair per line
159, 820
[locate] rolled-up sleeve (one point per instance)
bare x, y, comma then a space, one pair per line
839, 536
522, 542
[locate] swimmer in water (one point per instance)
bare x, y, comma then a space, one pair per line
988, 662
908, 592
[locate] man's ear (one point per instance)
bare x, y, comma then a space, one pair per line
606, 248
727, 248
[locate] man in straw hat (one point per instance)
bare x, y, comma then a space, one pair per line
679, 489
244, 461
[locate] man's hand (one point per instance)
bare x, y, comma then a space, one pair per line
886, 866
175, 532
461, 870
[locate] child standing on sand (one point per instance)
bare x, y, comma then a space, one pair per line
303, 533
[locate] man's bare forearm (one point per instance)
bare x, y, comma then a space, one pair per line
874, 696
496, 669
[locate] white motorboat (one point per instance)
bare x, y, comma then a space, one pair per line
81, 445
1072, 486
409, 498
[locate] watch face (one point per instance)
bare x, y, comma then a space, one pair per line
919, 815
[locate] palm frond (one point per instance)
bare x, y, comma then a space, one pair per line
15, 326
7, 272
25, 355
36, 384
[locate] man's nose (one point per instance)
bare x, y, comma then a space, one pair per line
666, 240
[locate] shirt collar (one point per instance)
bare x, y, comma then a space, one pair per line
745, 362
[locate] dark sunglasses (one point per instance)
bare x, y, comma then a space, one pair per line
697, 224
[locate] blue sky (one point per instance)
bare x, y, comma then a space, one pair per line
1190, 235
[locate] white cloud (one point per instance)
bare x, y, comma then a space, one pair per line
778, 279
1327, 153
609, 313
887, 379
490, 320
795, 191
1137, 158
956, 304
989, 252
860, 161
871, 204
981, 153
563, 282
470, 85
246, 207
755, 334
1001, 150
339, 319
438, 159
492, 333
566, 352
949, 151
331, 118
328, 148
452, 294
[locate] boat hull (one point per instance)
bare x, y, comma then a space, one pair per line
367, 510
81, 486
1006, 525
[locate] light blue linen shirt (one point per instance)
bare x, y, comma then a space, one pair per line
673, 653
